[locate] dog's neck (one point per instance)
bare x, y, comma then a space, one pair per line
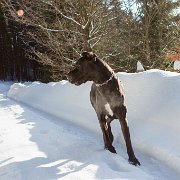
106, 82
104, 73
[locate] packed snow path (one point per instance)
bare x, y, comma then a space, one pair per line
36, 146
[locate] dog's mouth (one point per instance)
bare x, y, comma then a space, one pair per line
79, 82
77, 78
76, 81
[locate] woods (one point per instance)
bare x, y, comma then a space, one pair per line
43, 42
15, 65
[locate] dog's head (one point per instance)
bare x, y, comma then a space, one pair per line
83, 70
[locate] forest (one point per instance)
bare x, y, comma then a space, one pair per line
40, 40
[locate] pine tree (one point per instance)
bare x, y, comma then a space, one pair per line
14, 64
5, 46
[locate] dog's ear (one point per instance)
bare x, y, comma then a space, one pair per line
89, 55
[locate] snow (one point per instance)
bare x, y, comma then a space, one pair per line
177, 65
51, 131
139, 66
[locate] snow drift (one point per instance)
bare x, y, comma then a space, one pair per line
153, 102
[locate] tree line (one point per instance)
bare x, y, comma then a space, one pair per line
40, 40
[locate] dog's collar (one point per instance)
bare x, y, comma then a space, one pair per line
102, 84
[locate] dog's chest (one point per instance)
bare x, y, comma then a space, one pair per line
108, 109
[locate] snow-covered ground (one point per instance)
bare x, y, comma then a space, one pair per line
51, 131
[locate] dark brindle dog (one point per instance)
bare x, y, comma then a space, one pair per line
107, 97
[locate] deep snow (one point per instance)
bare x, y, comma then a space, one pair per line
69, 145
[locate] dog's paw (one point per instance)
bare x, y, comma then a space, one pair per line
111, 149
134, 161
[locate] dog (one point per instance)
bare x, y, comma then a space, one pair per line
106, 96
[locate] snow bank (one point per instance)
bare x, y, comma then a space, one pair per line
60, 99
4, 87
153, 102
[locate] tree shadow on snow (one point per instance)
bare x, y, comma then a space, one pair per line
66, 150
